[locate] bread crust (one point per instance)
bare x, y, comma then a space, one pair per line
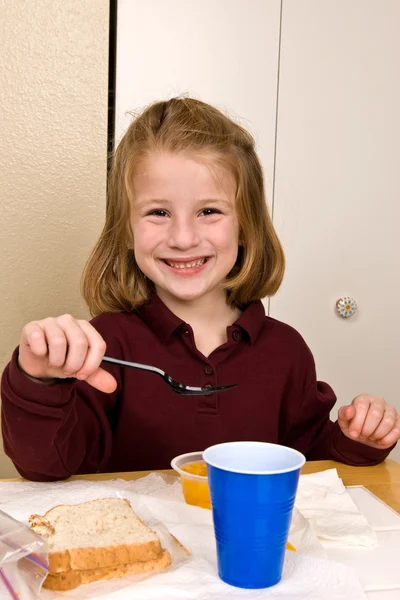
107, 556
91, 558
69, 580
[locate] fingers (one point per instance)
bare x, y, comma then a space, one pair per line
67, 344
103, 381
77, 345
385, 421
345, 414
370, 420
392, 437
95, 351
361, 406
47, 338
65, 347
34, 337
85, 356
375, 417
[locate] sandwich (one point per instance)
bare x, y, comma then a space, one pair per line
97, 540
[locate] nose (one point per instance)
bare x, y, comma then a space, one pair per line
183, 234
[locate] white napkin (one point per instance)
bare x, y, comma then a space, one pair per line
321, 499
324, 501
305, 576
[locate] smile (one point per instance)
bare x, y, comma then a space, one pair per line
186, 264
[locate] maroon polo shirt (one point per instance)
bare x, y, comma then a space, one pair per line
51, 432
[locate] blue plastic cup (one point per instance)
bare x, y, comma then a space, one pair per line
253, 487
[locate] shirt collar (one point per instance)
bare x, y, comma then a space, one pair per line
159, 318
163, 322
252, 319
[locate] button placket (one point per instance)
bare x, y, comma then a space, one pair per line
186, 336
208, 404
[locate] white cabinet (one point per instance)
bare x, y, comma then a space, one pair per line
336, 199
337, 188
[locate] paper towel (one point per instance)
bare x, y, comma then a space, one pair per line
305, 577
324, 501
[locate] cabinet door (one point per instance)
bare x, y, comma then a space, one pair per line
337, 188
224, 52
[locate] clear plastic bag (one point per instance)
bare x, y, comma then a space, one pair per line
23, 560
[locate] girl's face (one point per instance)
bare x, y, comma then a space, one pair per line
185, 226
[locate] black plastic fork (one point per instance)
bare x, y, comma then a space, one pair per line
179, 388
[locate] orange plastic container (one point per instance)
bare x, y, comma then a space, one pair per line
193, 473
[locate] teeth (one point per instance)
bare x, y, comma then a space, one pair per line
186, 265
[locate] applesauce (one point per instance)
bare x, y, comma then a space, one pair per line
193, 473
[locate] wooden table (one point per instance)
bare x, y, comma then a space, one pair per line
382, 480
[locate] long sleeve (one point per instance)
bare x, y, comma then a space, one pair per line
310, 430
51, 432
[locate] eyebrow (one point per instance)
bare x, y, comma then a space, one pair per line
216, 201
165, 202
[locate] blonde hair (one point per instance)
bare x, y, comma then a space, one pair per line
112, 280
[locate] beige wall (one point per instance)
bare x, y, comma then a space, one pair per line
53, 148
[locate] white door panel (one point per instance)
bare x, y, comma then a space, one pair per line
337, 189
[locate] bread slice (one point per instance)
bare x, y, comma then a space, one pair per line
103, 533
72, 579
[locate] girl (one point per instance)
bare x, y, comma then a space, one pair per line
187, 252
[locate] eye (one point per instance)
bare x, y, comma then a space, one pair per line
210, 211
158, 212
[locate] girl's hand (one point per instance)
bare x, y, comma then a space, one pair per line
64, 347
371, 421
